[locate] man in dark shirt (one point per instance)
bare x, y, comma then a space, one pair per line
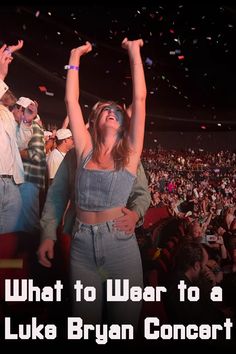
190, 260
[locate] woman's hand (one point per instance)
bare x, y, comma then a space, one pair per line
14, 48
82, 50
126, 44
76, 53
5, 60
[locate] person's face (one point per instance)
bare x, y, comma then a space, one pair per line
69, 142
197, 229
112, 112
198, 268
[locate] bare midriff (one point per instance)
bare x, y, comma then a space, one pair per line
97, 217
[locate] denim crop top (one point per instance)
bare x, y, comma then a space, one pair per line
98, 190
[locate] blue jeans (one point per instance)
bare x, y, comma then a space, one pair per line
10, 205
99, 252
29, 217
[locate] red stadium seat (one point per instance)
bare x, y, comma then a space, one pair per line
9, 251
8, 245
154, 215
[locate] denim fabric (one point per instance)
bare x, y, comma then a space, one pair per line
100, 252
63, 189
99, 190
10, 205
29, 217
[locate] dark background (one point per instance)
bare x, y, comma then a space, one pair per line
196, 93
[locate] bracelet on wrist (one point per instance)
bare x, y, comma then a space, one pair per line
73, 67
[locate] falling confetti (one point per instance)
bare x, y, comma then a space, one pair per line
49, 93
188, 55
149, 61
42, 88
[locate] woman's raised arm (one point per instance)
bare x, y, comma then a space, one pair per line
80, 133
137, 124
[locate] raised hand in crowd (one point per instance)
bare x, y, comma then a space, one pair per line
30, 112
6, 57
5, 60
16, 47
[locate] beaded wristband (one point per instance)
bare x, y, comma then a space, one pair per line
68, 67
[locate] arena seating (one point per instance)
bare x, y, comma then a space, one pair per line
155, 215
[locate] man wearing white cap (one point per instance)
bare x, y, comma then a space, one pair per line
12, 137
64, 142
34, 162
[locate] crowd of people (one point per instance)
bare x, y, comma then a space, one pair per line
95, 183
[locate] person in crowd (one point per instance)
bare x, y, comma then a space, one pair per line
107, 166
50, 142
62, 191
12, 138
191, 260
64, 142
34, 162
62, 194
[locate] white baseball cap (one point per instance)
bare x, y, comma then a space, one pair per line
3, 88
24, 102
63, 134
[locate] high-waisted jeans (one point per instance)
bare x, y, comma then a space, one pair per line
100, 252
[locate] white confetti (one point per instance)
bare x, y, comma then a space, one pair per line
49, 93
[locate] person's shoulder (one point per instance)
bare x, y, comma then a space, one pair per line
140, 168
4, 108
52, 153
5, 111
